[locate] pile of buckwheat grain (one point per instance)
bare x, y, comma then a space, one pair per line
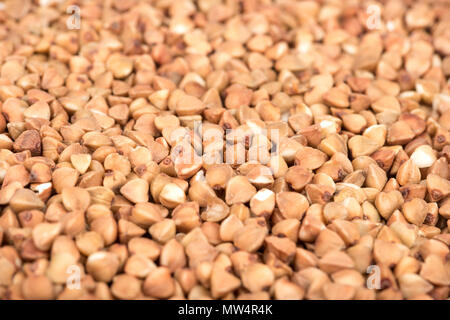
224, 149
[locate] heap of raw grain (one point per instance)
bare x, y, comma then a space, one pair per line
224, 149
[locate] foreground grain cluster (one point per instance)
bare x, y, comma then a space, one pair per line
98, 203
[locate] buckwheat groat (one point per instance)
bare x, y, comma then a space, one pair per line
238, 149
